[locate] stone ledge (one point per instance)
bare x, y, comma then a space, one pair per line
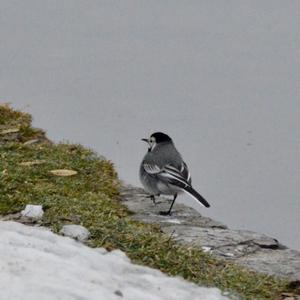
250, 249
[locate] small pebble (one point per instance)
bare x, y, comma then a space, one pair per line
119, 293
33, 211
77, 232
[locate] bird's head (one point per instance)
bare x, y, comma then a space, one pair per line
157, 138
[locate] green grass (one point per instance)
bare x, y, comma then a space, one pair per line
90, 198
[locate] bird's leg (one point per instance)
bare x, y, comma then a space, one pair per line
168, 213
152, 197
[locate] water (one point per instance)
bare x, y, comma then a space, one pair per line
222, 78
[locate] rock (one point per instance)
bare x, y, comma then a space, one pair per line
221, 241
280, 262
77, 232
33, 211
118, 293
246, 248
138, 202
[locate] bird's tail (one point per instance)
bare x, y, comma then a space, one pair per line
174, 177
190, 191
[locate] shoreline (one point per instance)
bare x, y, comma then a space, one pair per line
255, 251
76, 186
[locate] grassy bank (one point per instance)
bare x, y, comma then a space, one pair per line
90, 198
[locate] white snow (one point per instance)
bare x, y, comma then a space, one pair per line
36, 264
33, 211
206, 249
77, 232
174, 221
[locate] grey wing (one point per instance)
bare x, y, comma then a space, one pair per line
185, 172
151, 169
169, 174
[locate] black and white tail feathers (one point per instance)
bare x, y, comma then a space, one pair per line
177, 178
190, 191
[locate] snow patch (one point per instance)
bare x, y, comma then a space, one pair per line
37, 264
206, 249
174, 221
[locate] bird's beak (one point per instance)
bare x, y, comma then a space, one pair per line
147, 141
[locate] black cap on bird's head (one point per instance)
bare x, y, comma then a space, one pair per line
156, 138
160, 137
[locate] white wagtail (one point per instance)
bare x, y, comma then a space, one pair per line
163, 171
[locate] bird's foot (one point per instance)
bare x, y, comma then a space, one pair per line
152, 197
165, 213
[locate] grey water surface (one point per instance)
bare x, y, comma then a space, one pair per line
221, 77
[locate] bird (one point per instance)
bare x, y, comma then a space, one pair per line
163, 171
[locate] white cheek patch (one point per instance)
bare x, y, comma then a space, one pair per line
152, 145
